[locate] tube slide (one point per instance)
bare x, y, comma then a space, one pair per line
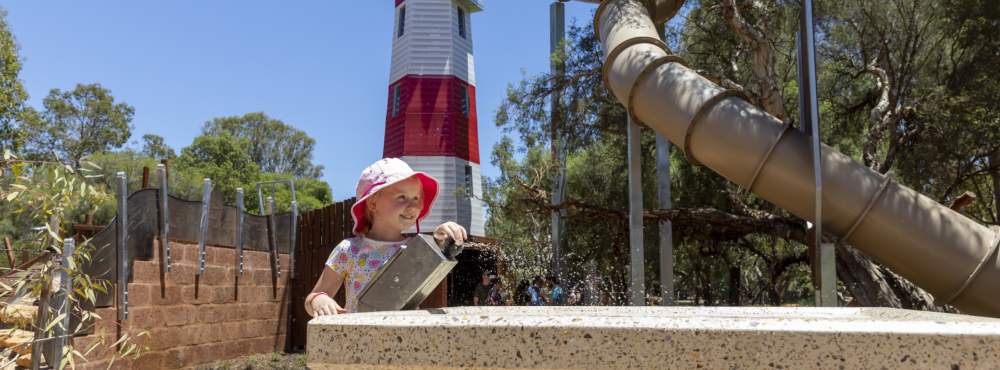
951, 256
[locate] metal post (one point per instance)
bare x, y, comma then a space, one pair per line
65, 308
291, 187
666, 227
206, 198
557, 35
239, 229
260, 200
637, 282
41, 321
51, 344
294, 232
272, 236
122, 242
809, 117
293, 239
161, 172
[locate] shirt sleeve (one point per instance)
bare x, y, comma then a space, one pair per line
339, 260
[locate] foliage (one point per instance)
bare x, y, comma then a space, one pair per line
273, 361
186, 181
309, 193
223, 159
43, 195
273, 145
153, 146
77, 123
12, 93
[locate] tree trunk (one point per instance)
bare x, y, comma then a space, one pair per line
773, 293
762, 63
734, 286
863, 279
706, 287
872, 284
995, 175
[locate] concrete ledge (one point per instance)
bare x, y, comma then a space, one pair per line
653, 337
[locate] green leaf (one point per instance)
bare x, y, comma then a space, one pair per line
55, 321
66, 360
17, 169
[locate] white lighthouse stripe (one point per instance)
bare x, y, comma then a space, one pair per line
454, 203
431, 44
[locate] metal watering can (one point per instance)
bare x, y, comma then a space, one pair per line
409, 276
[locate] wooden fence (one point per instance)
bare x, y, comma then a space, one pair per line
319, 231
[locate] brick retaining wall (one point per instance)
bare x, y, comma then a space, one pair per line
197, 320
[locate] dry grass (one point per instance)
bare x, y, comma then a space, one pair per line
276, 361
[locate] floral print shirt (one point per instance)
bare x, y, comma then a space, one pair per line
357, 260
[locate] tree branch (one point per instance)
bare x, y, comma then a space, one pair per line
700, 223
762, 66
880, 117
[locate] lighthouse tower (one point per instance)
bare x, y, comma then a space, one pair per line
430, 119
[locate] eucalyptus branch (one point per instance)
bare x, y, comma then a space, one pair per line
43, 194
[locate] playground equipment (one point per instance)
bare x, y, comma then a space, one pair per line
949, 255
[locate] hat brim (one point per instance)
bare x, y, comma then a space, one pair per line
430, 188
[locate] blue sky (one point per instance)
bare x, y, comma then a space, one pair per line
321, 66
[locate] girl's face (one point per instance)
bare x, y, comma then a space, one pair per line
397, 206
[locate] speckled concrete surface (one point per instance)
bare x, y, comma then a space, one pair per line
654, 338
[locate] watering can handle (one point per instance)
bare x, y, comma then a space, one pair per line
451, 249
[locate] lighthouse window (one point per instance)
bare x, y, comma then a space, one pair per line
461, 22
395, 100
402, 20
465, 102
468, 181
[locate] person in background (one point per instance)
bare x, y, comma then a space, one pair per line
522, 296
557, 296
482, 294
573, 298
535, 290
496, 292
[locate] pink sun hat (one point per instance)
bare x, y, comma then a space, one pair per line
384, 173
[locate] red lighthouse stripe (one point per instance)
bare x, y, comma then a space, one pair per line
434, 116
399, 2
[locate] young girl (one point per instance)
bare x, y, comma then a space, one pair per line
391, 199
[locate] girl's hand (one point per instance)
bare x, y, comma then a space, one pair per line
323, 305
452, 230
